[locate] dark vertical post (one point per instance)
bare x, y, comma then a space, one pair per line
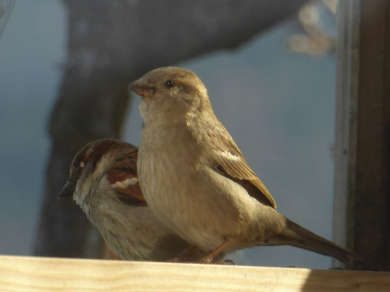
362, 169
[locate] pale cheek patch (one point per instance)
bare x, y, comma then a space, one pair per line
125, 183
80, 193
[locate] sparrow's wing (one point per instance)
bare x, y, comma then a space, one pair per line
231, 163
123, 177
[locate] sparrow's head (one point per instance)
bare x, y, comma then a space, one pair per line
170, 90
92, 162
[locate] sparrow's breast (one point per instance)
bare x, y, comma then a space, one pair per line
178, 188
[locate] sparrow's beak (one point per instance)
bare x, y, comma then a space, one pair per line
142, 89
68, 189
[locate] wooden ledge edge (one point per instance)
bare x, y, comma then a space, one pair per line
20, 273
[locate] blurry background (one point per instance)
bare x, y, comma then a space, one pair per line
274, 90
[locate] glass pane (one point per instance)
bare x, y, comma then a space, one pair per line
275, 94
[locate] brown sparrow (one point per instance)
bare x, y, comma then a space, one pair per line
195, 178
103, 181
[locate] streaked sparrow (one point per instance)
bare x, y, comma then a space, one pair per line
103, 181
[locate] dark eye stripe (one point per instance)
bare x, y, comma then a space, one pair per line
81, 156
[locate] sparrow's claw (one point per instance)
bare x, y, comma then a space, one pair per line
226, 262
185, 255
212, 255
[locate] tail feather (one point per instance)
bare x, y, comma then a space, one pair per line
297, 236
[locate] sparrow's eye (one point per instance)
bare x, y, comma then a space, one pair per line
169, 84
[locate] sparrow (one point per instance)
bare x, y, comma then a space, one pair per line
195, 178
103, 182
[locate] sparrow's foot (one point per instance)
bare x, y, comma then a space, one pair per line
225, 262
185, 255
208, 259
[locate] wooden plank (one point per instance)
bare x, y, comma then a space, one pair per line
54, 274
362, 170
386, 111
371, 230
346, 120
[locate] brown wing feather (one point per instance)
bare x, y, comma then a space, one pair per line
124, 179
230, 162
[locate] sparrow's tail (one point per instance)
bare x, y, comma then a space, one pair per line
297, 236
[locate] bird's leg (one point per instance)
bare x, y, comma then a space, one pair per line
225, 262
109, 254
185, 254
212, 255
